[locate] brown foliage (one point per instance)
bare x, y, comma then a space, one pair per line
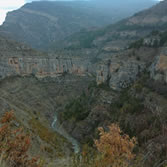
115, 147
14, 144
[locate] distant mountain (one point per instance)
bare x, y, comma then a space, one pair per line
42, 23
118, 36
121, 9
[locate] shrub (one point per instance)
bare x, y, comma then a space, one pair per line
115, 147
79, 108
157, 86
14, 144
136, 44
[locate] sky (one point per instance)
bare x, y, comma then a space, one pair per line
9, 5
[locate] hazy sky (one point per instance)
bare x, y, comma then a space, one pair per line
9, 5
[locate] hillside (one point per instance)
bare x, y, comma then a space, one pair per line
39, 24
118, 36
56, 19
27, 79
94, 78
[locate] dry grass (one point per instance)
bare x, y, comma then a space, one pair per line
50, 137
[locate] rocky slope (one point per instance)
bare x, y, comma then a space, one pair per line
121, 70
130, 89
147, 54
39, 24
29, 77
35, 103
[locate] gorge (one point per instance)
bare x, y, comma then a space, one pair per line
82, 75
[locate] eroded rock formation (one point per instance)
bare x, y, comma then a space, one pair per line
43, 67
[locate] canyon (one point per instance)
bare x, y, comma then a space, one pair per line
87, 79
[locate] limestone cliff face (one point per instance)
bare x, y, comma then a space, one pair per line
119, 74
118, 70
18, 59
42, 67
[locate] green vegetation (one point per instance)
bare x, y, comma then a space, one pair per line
78, 109
159, 41
155, 32
127, 104
163, 38
85, 39
104, 86
122, 26
137, 44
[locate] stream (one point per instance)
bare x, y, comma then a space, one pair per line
59, 129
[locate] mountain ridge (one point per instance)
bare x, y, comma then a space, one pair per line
126, 30
57, 19
116, 74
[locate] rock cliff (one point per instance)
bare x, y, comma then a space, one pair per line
122, 69
42, 67
18, 59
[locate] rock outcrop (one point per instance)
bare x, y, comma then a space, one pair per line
42, 67
18, 59
119, 74
158, 70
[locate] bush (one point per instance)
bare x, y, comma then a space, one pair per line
115, 147
158, 87
163, 38
14, 144
136, 44
79, 108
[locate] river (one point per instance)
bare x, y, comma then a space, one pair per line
59, 129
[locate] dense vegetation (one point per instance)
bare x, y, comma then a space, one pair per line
156, 39
79, 108
136, 114
84, 39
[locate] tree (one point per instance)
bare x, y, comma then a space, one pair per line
115, 147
